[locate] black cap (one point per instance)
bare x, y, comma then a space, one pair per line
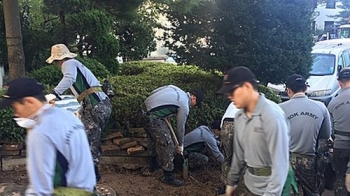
344, 74
199, 96
216, 124
296, 81
236, 76
20, 88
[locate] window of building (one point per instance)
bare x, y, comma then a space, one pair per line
330, 4
329, 26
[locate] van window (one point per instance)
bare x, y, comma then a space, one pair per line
323, 64
346, 58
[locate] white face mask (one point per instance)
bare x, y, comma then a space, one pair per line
25, 122
29, 123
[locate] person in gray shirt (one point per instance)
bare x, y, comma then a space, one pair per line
164, 102
309, 123
96, 106
339, 108
261, 141
201, 140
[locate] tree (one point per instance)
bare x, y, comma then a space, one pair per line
272, 37
344, 15
13, 39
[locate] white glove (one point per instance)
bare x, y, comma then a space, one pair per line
347, 182
50, 97
180, 149
230, 190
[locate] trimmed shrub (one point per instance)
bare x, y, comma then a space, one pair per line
136, 80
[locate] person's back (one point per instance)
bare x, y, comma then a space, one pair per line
306, 118
60, 139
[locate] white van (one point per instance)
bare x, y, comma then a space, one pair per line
329, 57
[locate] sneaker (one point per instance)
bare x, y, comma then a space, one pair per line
171, 180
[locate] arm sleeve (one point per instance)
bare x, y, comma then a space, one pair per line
237, 163
181, 118
331, 118
276, 130
41, 164
214, 148
326, 127
69, 71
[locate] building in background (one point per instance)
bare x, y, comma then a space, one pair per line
324, 21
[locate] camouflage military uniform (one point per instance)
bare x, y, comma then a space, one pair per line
197, 159
226, 145
7, 189
310, 170
341, 159
95, 119
242, 189
162, 143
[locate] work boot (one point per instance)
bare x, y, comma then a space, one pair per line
97, 174
169, 178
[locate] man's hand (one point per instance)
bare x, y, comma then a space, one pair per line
180, 149
230, 190
347, 182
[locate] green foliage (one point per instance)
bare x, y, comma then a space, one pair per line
344, 15
51, 75
272, 37
10, 132
137, 79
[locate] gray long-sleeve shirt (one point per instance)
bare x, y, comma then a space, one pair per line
308, 119
58, 138
78, 78
339, 108
204, 134
261, 141
170, 100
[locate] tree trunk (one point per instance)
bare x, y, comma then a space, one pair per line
15, 54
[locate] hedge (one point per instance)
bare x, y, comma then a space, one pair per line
135, 81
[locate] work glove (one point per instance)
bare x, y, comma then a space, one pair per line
180, 149
230, 190
57, 96
347, 182
50, 98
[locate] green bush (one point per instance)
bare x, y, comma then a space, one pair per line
136, 80
9, 131
51, 75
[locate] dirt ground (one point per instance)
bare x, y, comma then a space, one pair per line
202, 182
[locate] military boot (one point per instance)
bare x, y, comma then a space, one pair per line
168, 178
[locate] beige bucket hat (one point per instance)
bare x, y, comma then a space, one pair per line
59, 52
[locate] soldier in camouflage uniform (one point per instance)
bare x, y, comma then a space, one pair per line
202, 141
339, 108
226, 146
309, 121
164, 102
85, 86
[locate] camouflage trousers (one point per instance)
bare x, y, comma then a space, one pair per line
341, 159
242, 189
7, 189
95, 119
226, 146
197, 159
307, 174
161, 142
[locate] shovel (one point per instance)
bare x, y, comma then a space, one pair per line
185, 164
